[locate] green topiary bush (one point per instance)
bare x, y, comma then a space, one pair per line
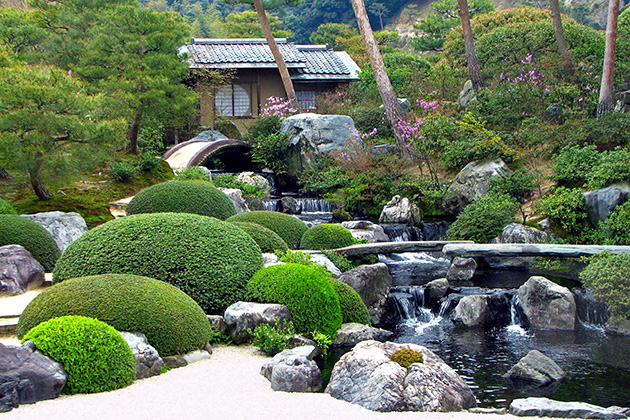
406, 357
305, 290
607, 275
195, 197
287, 227
94, 354
172, 322
352, 307
17, 230
267, 239
209, 260
483, 219
326, 236
6, 207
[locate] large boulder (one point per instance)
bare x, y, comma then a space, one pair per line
64, 227
238, 198
372, 283
352, 333
544, 407
19, 271
314, 135
242, 317
366, 230
547, 305
536, 367
472, 182
27, 376
466, 95
483, 311
516, 233
148, 361
257, 181
599, 203
293, 370
367, 376
400, 210
461, 269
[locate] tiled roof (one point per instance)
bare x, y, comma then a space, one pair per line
305, 62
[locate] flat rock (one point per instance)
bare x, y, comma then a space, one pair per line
544, 407
19, 271
536, 367
366, 230
65, 228
351, 333
309, 352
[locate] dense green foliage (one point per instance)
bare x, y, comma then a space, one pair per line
616, 228
566, 209
483, 219
195, 197
192, 173
352, 307
17, 230
289, 228
209, 260
305, 290
267, 239
326, 236
607, 276
94, 354
172, 322
6, 207
406, 357
272, 340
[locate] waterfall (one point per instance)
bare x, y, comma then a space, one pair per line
271, 205
415, 268
515, 316
313, 205
591, 312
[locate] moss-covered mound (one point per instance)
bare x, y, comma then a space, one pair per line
6, 207
267, 239
172, 322
289, 228
17, 230
326, 236
94, 354
209, 260
352, 307
197, 197
305, 290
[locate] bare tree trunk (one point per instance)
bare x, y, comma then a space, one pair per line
561, 41
132, 134
390, 101
469, 43
606, 100
282, 66
36, 182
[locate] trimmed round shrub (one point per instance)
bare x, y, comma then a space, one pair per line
209, 260
352, 307
287, 227
305, 290
94, 354
17, 230
267, 239
197, 197
483, 219
326, 236
172, 322
6, 207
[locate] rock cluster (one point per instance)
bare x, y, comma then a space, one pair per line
19, 271
242, 317
148, 361
293, 370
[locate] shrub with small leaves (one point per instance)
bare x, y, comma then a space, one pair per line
483, 219
94, 354
616, 228
147, 162
406, 357
326, 236
272, 340
607, 276
267, 239
17, 230
352, 307
123, 171
287, 227
191, 173
566, 208
6, 207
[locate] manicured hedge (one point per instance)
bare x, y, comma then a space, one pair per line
305, 290
94, 354
172, 322
197, 197
326, 236
267, 239
6, 207
209, 260
287, 227
352, 307
17, 230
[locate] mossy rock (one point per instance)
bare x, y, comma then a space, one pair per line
172, 322
352, 307
6, 207
197, 197
228, 129
208, 259
94, 354
267, 239
305, 290
17, 230
326, 236
406, 357
289, 228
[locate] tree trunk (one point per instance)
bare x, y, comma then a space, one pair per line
469, 43
4, 174
606, 100
561, 41
132, 134
36, 182
388, 96
282, 66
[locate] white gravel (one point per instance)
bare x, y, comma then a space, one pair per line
227, 386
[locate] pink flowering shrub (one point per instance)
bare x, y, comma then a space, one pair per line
277, 107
